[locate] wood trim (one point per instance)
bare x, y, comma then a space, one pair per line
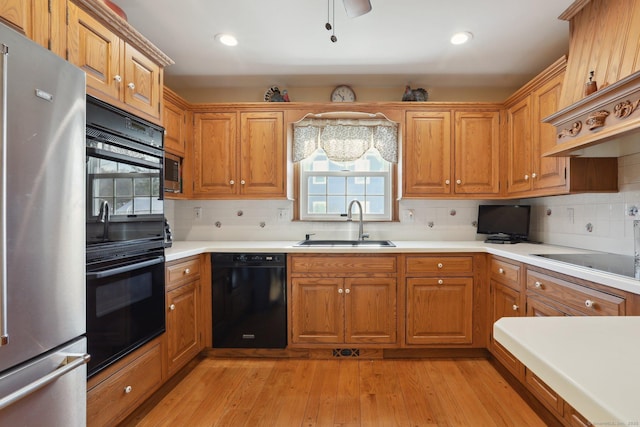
553, 70
573, 10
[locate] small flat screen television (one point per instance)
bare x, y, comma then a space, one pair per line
504, 223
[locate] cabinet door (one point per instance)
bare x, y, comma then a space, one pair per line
370, 310
427, 154
477, 152
18, 13
141, 82
505, 302
182, 325
262, 164
215, 154
519, 147
174, 122
547, 172
317, 310
96, 50
439, 311
538, 308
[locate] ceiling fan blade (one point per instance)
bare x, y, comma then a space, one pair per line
356, 8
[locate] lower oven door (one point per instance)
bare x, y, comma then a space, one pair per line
125, 308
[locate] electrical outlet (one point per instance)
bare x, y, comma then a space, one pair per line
283, 215
408, 216
197, 213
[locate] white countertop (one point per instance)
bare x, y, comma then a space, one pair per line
518, 252
591, 362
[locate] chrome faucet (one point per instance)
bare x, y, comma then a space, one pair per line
103, 217
361, 234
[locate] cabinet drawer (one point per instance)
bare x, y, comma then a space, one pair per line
439, 265
543, 392
587, 301
341, 264
111, 400
183, 270
506, 273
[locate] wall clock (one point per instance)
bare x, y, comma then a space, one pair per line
343, 93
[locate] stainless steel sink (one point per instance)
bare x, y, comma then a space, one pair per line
347, 243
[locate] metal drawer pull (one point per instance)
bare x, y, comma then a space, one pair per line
538, 285
128, 389
501, 270
515, 307
440, 265
589, 304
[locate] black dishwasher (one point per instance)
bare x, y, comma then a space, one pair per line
249, 303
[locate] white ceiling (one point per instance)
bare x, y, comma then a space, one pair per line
399, 42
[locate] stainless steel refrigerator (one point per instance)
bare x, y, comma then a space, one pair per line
42, 237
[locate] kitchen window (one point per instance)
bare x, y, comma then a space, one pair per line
340, 160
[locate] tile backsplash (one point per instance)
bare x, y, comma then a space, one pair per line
590, 221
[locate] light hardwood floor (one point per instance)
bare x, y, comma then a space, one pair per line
340, 392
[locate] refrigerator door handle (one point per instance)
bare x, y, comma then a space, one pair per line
4, 331
71, 362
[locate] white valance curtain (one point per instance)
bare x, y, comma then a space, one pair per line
345, 139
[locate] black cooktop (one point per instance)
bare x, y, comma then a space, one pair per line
623, 265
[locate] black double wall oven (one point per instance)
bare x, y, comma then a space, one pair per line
125, 233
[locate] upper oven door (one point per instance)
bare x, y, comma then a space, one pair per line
124, 190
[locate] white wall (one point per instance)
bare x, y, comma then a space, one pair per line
612, 226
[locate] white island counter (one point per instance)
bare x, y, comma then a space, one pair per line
591, 362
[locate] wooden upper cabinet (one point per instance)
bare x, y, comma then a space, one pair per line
43, 21
174, 120
262, 154
122, 68
214, 154
239, 155
427, 154
519, 147
441, 159
141, 81
97, 51
477, 152
18, 14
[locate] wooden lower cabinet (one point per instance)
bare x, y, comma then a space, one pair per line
183, 335
439, 311
115, 392
348, 307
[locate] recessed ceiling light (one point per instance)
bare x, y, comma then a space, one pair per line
226, 39
461, 38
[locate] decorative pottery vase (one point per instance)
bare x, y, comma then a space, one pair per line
116, 9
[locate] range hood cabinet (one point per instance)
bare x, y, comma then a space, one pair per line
605, 123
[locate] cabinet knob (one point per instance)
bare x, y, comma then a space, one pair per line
131, 86
187, 270
440, 281
447, 182
340, 290
534, 175
589, 304
538, 285
232, 182
501, 270
347, 291
242, 182
526, 177
458, 181
172, 307
440, 265
117, 78
515, 307
128, 389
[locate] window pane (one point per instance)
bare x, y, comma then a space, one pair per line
375, 205
336, 205
124, 206
124, 187
103, 187
317, 205
156, 205
336, 185
142, 186
317, 185
156, 186
375, 186
141, 205
355, 186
